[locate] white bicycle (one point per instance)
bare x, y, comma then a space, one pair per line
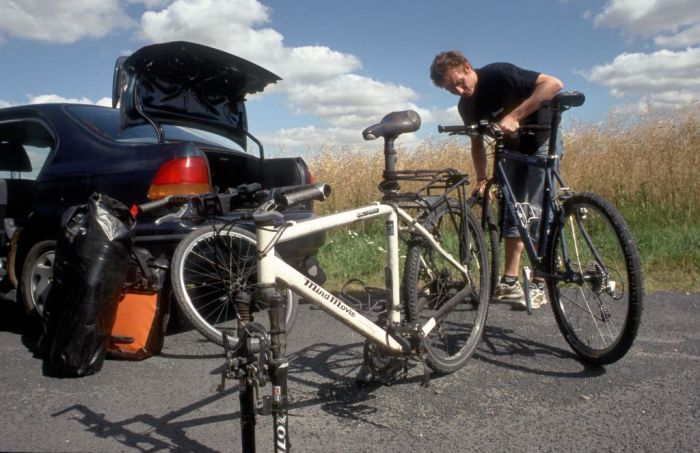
436, 309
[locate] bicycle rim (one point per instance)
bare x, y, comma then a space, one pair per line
210, 270
597, 297
431, 281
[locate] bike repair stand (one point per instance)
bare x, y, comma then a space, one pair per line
279, 366
255, 359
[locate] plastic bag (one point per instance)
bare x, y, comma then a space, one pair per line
92, 260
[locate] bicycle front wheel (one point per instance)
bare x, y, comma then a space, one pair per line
430, 281
597, 289
211, 266
489, 225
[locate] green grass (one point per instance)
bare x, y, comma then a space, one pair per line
669, 245
670, 249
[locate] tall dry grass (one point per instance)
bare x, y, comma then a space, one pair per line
652, 162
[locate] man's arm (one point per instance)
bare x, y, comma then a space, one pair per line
546, 87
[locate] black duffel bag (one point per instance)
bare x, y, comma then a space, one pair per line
90, 268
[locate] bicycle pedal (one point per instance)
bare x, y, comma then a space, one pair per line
565, 193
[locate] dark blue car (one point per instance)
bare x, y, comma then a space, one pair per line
180, 128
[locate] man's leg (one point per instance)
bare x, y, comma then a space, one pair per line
513, 250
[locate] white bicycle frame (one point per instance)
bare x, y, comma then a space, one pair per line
272, 269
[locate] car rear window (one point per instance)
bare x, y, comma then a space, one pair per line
104, 121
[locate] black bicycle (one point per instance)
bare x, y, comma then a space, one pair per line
588, 256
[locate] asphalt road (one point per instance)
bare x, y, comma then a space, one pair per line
523, 391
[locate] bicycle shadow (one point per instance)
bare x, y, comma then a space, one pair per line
336, 393
321, 375
499, 343
339, 393
164, 433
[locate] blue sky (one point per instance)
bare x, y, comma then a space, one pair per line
345, 64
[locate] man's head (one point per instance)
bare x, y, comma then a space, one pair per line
452, 71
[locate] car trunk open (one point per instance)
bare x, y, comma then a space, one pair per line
187, 84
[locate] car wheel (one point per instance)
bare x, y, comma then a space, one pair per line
37, 276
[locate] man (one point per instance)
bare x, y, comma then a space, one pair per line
511, 96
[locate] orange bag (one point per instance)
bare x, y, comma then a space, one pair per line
139, 327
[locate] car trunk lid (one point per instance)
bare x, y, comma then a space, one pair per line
187, 84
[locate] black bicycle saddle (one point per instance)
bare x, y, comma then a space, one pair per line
393, 125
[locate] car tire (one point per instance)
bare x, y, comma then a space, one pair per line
37, 277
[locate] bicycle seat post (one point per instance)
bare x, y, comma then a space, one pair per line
390, 160
390, 127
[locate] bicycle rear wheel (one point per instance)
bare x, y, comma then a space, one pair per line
210, 267
430, 281
597, 291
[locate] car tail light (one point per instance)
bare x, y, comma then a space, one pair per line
181, 176
309, 177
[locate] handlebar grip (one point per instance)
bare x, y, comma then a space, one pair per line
535, 127
318, 192
251, 188
452, 129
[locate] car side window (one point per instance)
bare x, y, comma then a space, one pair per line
24, 148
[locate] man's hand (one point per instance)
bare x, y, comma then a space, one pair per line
509, 125
480, 187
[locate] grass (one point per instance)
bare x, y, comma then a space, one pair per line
647, 168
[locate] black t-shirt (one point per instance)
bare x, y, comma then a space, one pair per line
500, 88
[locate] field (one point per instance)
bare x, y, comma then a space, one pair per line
648, 168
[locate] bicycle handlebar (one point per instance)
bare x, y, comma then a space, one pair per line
162, 203
491, 129
300, 194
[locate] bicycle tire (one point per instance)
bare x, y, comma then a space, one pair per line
492, 238
429, 281
209, 267
600, 314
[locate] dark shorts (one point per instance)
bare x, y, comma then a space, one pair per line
528, 187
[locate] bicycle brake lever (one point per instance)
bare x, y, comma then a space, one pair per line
173, 217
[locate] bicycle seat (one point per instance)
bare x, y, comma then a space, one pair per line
393, 125
567, 99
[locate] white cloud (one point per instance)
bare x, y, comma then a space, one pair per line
317, 80
677, 21
665, 77
235, 26
311, 138
686, 37
54, 98
61, 21
349, 100
4, 104
661, 78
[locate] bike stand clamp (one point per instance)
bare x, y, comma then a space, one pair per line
526, 288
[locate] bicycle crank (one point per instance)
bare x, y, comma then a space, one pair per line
381, 366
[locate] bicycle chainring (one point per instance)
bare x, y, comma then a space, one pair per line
384, 367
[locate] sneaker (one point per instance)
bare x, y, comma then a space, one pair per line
509, 291
537, 296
